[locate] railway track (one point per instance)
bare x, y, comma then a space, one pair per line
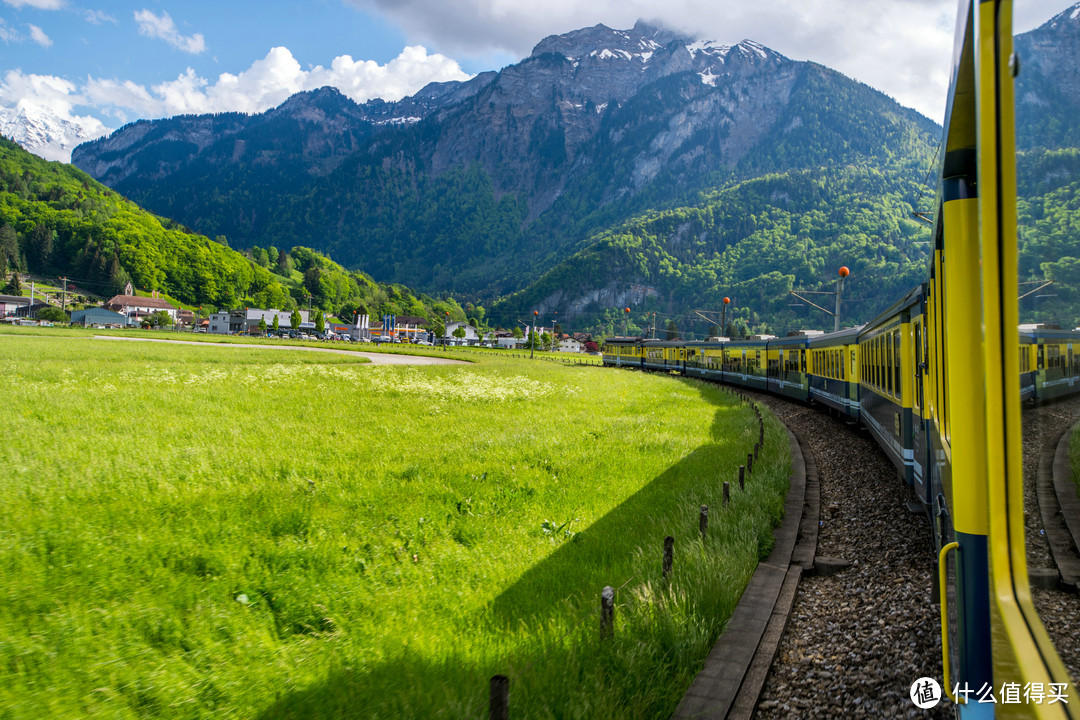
856, 640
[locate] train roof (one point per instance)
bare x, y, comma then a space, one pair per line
1044, 333
847, 336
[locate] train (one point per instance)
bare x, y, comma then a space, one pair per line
938, 379
875, 374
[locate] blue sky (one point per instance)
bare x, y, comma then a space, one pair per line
101, 63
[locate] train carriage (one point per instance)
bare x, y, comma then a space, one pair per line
744, 362
834, 371
886, 378
664, 355
786, 365
1057, 363
623, 352
705, 359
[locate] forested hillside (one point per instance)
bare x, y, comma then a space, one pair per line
1048, 216
56, 220
753, 242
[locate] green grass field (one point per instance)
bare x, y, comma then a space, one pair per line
195, 532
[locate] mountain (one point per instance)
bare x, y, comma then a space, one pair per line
1047, 88
471, 187
1048, 168
46, 133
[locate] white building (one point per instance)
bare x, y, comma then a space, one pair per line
471, 336
247, 320
569, 345
509, 342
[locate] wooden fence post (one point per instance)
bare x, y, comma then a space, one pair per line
727, 493
703, 520
742, 477
750, 463
607, 612
499, 705
669, 555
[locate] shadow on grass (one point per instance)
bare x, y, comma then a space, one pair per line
625, 544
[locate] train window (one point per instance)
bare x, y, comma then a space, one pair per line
888, 364
871, 362
897, 379
840, 362
878, 377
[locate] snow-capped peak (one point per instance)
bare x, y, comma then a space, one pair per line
46, 133
709, 47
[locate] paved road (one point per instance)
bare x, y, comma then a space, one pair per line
374, 357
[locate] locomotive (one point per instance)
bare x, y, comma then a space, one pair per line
938, 379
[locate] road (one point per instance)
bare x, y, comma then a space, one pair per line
374, 357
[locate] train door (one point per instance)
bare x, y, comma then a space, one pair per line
918, 428
1069, 369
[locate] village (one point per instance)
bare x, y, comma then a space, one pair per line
136, 311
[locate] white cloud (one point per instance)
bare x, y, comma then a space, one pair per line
8, 35
97, 17
39, 4
269, 82
902, 47
163, 27
38, 35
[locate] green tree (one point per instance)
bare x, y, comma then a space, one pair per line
518, 334
159, 318
52, 314
262, 325
9, 246
459, 332
320, 321
546, 340
295, 319
276, 326
13, 287
672, 330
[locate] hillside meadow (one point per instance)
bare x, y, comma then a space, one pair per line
205, 532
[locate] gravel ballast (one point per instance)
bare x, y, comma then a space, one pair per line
857, 640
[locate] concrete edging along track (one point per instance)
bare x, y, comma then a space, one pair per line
374, 357
1059, 506
735, 670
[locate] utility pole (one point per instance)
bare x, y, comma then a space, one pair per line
532, 336
844, 272
63, 287
839, 288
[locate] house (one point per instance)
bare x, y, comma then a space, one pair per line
136, 307
472, 337
99, 316
247, 320
569, 344
507, 341
10, 303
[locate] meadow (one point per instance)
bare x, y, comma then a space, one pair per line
192, 532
